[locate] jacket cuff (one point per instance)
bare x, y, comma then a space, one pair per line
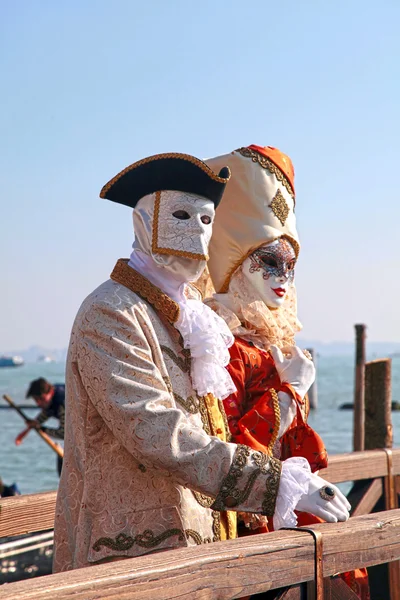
251, 484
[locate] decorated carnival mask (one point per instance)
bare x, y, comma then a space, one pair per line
270, 270
176, 228
174, 197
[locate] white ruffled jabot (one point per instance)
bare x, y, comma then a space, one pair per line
208, 338
204, 333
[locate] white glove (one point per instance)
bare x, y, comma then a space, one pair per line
294, 367
331, 511
288, 412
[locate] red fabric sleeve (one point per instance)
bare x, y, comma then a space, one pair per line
251, 414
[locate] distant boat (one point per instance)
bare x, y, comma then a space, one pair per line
11, 361
46, 359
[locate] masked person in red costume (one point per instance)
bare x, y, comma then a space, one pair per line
253, 254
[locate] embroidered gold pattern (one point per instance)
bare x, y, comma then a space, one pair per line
277, 413
228, 435
204, 415
135, 282
182, 363
216, 526
190, 404
203, 500
147, 539
279, 207
266, 163
191, 533
139, 163
168, 384
272, 485
154, 241
228, 489
230, 495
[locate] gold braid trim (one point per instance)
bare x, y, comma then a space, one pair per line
192, 159
204, 415
272, 486
182, 363
134, 281
277, 413
216, 526
266, 163
189, 404
203, 500
170, 251
228, 435
230, 495
147, 539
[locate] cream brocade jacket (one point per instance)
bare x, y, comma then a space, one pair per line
146, 464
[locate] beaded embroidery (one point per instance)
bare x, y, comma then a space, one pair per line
279, 207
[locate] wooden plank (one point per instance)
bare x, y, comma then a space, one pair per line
354, 466
27, 514
224, 570
370, 498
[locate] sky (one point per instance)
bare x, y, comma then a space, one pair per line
89, 86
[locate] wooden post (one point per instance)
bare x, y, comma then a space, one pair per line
313, 391
378, 404
358, 424
379, 434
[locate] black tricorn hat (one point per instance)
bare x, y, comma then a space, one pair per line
171, 171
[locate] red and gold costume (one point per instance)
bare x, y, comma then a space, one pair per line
258, 208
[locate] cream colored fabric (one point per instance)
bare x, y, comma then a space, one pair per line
245, 220
138, 460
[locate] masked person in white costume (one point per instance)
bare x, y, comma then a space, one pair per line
253, 254
147, 463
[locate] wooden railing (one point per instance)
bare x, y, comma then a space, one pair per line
224, 570
227, 569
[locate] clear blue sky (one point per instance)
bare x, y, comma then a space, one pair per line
89, 86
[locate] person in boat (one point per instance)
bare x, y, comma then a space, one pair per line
253, 255
51, 399
148, 465
8, 490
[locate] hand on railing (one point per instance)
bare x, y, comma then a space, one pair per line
324, 500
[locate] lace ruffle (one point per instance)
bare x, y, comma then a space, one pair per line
293, 484
250, 319
208, 338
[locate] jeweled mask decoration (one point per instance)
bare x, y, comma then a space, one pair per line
270, 270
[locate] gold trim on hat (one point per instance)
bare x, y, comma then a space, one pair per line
154, 242
192, 159
266, 163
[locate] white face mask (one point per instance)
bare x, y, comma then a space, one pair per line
182, 225
270, 270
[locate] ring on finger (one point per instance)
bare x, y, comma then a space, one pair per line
327, 493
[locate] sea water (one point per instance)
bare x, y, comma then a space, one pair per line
33, 464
